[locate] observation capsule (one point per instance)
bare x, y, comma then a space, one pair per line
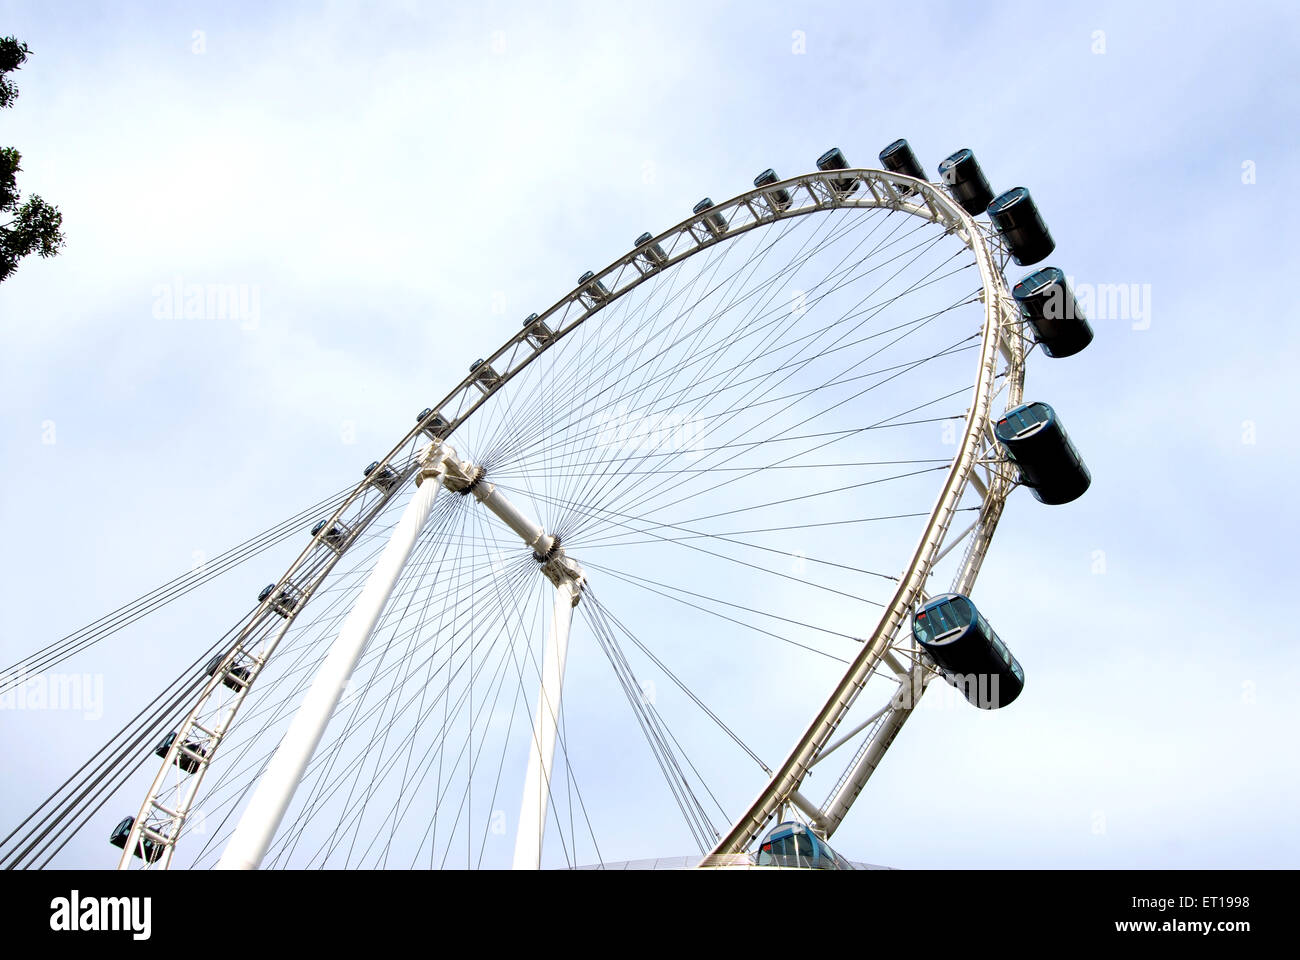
236, 678
899, 158
1047, 302
1021, 226
792, 844
436, 427
715, 221
779, 198
833, 159
536, 331
485, 375
1049, 464
335, 535
594, 289
965, 180
122, 832
654, 253
283, 604
967, 651
183, 759
384, 479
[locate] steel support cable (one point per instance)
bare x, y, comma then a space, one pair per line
652, 496
696, 819
810, 450
122, 767
547, 388
130, 613
320, 763
586, 415
536, 432
592, 545
748, 509
729, 291
93, 770
733, 337
677, 681
123, 616
721, 616
960, 346
505, 749
783, 464
520, 575
250, 729
751, 444
693, 350
498, 680
792, 466
405, 588
94, 786
634, 697
308, 627
704, 278
540, 431
373, 656
507, 623
763, 379
369, 666
732, 384
308, 639
96, 774
561, 734
375, 709
376, 780
677, 492
419, 709
250, 643
738, 606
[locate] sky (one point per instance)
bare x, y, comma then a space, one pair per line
393, 186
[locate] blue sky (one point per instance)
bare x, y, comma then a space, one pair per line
400, 183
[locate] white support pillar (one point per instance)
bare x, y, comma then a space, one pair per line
276, 788
463, 477
537, 780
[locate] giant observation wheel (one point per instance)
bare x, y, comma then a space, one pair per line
649, 566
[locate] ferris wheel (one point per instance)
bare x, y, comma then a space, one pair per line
668, 569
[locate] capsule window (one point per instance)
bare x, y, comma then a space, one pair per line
998, 646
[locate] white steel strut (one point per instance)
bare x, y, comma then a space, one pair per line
537, 781
276, 788
569, 581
